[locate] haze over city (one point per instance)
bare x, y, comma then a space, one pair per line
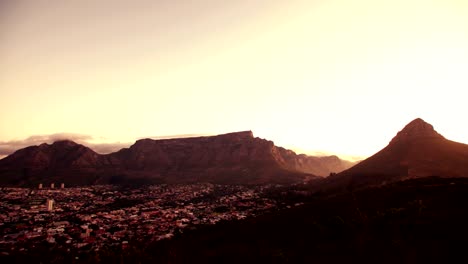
335, 77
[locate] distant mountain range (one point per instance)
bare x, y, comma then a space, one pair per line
234, 158
416, 151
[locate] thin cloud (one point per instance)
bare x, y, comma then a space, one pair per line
8, 147
177, 136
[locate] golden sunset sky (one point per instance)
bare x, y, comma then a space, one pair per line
332, 76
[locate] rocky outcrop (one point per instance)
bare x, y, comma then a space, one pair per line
415, 130
230, 158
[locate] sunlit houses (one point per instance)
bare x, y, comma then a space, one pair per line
35, 202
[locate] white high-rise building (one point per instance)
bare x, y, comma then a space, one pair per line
52, 185
62, 186
40, 186
50, 204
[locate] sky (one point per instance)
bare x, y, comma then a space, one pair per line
328, 76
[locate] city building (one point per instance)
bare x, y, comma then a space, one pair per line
50, 204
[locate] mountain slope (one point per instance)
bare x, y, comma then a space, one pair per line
62, 161
416, 151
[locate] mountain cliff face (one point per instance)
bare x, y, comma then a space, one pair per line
226, 150
416, 151
321, 166
230, 158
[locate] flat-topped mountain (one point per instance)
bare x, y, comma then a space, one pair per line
229, 158
416, 151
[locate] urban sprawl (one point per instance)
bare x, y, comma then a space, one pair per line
88, 218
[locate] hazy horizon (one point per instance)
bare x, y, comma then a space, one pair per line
332, 76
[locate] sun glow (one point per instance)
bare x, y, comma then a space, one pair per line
335, 76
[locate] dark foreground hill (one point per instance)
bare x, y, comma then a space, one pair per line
235, 158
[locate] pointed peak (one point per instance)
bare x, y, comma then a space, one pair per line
418, 121
417, 128
418, 125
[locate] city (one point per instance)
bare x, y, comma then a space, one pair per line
84, 219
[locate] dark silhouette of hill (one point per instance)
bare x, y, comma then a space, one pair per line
416, 151
234, 158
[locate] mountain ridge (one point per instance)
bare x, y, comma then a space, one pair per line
236, 157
